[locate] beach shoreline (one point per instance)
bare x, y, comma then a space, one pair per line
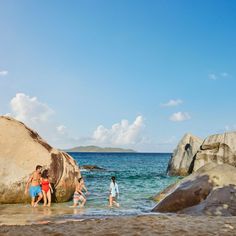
163, 224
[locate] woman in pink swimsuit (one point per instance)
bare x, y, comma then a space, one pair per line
46, 188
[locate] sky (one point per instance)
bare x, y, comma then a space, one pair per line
132, 74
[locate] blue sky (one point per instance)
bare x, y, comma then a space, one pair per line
135, 74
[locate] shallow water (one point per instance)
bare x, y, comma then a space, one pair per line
139, 176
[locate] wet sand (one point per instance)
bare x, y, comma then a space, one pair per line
20, 219
177, 225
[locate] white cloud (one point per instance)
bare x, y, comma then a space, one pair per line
172, 103
230, 128
180, 116
61, 129
29, 109
212, 77
40, 117
227, 128
3, 72
223, 75
119, 134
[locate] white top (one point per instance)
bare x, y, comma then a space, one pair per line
114, 189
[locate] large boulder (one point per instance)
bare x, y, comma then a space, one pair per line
220, 202
218, 148
183, 155
21, 149
162, 194
211, 190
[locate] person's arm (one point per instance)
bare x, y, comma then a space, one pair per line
50, 186
110, 189
117, 190
27, 184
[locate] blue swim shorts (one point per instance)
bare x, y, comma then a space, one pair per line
35, 191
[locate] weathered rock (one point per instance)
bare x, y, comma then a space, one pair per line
210, 190
21, 149
91, 167
220, 202
183, 155
161, 195
219, 148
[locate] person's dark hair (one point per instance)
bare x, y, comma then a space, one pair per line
38, 167
113, 178
79, 179
45, 174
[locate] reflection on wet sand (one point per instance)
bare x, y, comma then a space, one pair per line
20, 214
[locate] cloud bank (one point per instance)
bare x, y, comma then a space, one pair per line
223, 75
29, 109
3, 72
41, 117
172, 103
180, 116
119, 134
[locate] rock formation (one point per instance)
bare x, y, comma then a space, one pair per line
91, 168
21, 149
211, 190
183, 155
162, 194
219, 148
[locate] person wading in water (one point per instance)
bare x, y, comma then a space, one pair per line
114, 192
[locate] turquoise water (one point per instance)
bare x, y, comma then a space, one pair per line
139, 176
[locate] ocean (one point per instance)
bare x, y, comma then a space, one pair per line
139, 177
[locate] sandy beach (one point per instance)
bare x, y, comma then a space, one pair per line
178, 225
20, 219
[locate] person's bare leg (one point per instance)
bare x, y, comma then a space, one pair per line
75, 203
32, 201
39, 199
110, 201
44, 198
83, 201
49, 197
116, 203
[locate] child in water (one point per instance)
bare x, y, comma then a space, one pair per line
114, 192
78, 194
46, 188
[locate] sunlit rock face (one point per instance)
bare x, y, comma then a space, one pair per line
218, 148
21, 149
211, 190
183, 155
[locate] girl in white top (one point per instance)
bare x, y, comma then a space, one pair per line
114, 192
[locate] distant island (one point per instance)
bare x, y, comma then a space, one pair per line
97, 149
